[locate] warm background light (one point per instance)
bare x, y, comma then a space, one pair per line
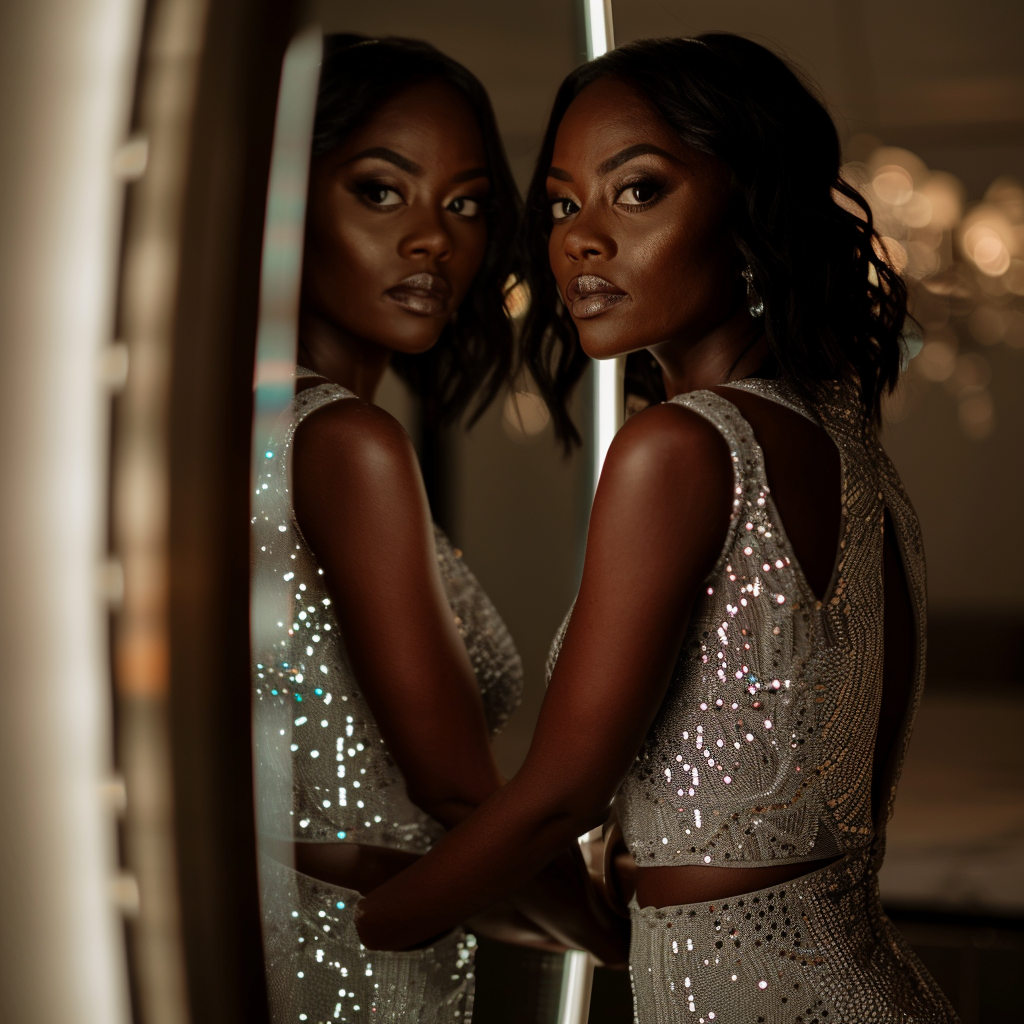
964, 269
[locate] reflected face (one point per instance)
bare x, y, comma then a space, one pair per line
395, 229
639, 244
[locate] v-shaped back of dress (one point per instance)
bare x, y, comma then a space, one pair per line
762, 751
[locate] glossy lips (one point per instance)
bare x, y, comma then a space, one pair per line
423, 294
590, 295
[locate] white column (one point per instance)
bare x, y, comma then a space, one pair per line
66, 78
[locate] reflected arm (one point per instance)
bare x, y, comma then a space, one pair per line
360, 503
659, 521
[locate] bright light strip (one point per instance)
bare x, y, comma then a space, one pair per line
609, 372
276, 345
577, 981
600, 33
607, 409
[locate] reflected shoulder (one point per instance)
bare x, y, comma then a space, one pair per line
356, 436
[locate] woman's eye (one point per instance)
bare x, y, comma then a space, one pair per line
562, 208
464, 206
638, 195
379, 195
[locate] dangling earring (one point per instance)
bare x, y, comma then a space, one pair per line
755, 304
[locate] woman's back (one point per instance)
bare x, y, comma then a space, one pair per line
762, 752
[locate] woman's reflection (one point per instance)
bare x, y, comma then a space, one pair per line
394, 669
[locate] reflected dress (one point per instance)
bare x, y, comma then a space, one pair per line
324, 774
762, 754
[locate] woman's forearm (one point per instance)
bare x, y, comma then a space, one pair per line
498, 850
561, 900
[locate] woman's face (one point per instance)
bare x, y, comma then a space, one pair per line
639, 242
395, 229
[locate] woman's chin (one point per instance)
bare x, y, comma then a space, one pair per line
411, 344
606, 338
602, 345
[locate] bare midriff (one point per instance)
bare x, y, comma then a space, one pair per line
694, 883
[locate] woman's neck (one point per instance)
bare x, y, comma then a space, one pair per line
733, 350
354, 364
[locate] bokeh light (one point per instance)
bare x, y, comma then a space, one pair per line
936, 360
524, 415
517, 299
977, 415
964, 267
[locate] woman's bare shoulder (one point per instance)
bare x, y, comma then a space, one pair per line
665, 495
354, 436
666, 438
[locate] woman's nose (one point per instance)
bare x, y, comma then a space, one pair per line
428, 238
587, 240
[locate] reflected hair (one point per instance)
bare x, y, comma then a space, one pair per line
834, 308
472, 359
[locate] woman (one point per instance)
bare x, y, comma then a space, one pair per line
745, 654
378, 690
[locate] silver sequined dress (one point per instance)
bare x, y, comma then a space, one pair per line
324, 774
762, 754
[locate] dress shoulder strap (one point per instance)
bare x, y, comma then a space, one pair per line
311, 399
780, 391
278, 472
302, 405
750, 481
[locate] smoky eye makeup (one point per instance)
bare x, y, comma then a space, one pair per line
639, 187
640, 192
468, 207
379, 196
561, 207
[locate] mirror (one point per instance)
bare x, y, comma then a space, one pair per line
499, 488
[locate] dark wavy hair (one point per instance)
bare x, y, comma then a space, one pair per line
473, 357
834, 308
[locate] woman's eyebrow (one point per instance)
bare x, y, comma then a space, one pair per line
383, 153
629, 153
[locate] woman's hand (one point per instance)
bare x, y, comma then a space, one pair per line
564, 900
504, 922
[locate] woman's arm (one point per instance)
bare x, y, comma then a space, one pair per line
360, 502
659, 521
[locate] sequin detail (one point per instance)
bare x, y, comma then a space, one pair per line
817, 950
762, 750
323, 771
318, 971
